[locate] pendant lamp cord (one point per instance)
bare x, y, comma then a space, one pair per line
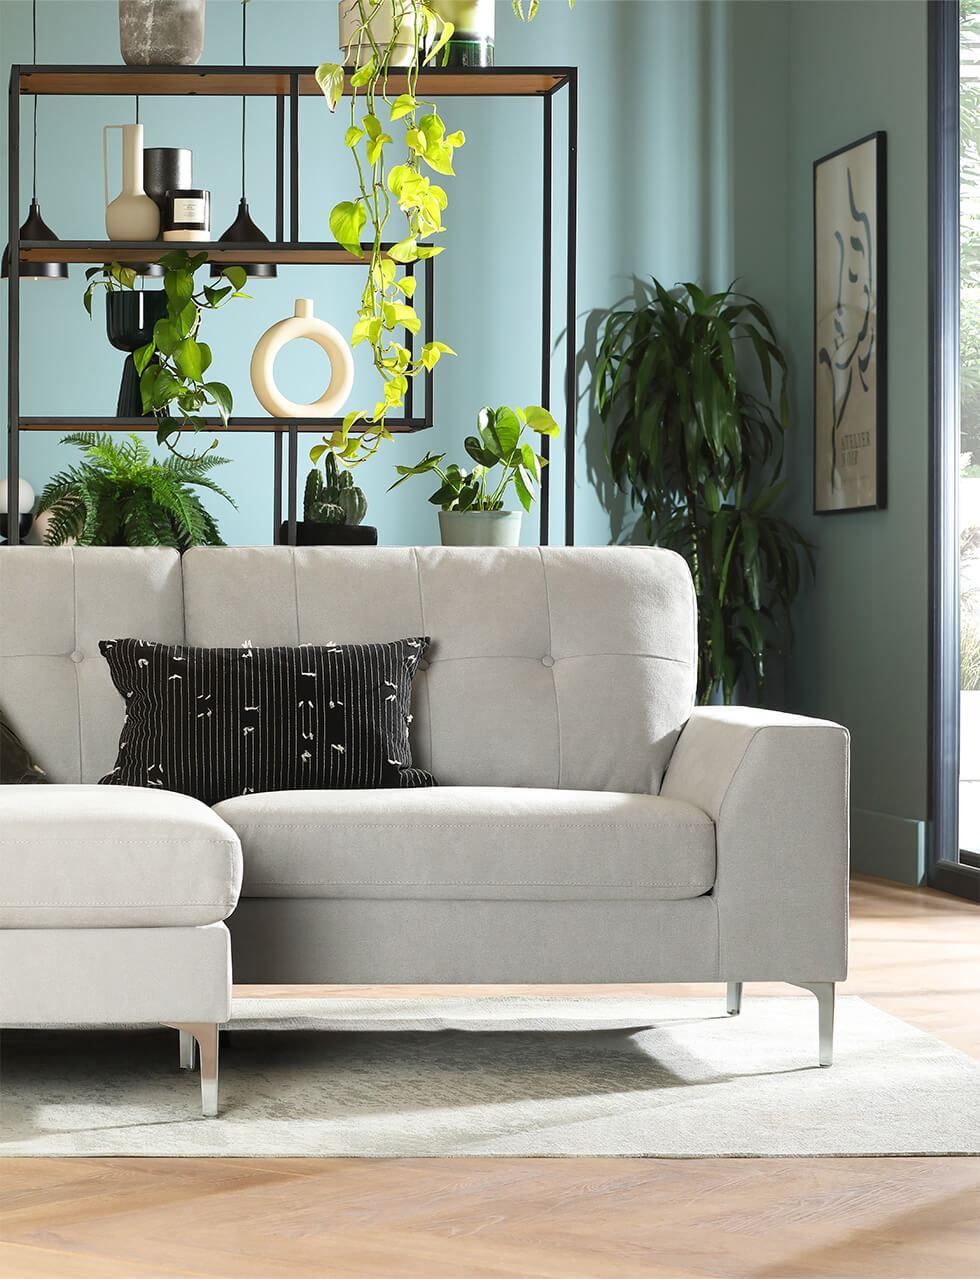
34, 59
244, 64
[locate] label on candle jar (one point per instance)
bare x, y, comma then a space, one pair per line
189, 210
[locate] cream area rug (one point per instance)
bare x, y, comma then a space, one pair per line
499, 1076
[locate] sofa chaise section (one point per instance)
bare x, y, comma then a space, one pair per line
112, 902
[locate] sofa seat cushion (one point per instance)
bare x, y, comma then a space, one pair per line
113, 857
472, 842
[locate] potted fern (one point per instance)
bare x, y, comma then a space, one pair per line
119, 496
694, 435
333, 508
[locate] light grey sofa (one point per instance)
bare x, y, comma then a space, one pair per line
591, 825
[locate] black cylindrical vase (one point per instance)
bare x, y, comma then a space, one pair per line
166, 169
129, 320
163, 168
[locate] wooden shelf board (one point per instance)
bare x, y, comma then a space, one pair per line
98, 251
447, 82
256, 425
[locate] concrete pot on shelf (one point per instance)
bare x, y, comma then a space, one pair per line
161, 32
480, 528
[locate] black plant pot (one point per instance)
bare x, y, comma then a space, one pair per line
129, 320
310, 534
24, 524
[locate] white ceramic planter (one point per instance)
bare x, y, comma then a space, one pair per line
480, 528
356, 50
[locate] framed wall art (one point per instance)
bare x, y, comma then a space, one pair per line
849, 285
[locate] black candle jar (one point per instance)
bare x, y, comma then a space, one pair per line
187, 214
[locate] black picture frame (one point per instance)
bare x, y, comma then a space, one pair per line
850, 265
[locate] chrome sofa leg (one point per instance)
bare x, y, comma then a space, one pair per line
824, 991
206, 1036
734, 998
188, 1050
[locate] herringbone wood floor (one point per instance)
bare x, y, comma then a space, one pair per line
916, 954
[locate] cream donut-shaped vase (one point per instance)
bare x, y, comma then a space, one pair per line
304, 324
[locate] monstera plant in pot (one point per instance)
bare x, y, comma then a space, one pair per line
471, 502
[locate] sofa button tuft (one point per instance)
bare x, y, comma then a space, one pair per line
547, 660
77, 656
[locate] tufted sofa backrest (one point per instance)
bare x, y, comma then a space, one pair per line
55, 605
548, 667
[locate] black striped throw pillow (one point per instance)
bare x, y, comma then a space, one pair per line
218, 722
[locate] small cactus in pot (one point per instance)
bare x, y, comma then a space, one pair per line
333, 509
331, 495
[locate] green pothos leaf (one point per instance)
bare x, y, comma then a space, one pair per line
330, 78
347, 222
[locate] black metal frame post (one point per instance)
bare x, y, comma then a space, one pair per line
280, 235
570, 310
292, 478
409, 341
544, 488
277, 487
429, 275
13, 311
294, 158
280, 167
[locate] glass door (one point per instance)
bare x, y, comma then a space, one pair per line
954, 314
969, 433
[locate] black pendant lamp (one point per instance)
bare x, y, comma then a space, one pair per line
35, 227
243, 230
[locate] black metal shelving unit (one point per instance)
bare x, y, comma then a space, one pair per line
287, 85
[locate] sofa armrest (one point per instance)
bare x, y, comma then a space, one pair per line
776, 787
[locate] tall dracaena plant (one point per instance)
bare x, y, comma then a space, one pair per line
699, 452
386, 308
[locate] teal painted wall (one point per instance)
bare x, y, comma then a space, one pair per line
861, 653
653, 197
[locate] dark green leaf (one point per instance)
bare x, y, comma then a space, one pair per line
222, 398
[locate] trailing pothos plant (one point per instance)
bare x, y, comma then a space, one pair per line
386, 308
699, 453
499, 443
173, 365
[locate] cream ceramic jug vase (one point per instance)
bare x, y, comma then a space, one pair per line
132, 215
